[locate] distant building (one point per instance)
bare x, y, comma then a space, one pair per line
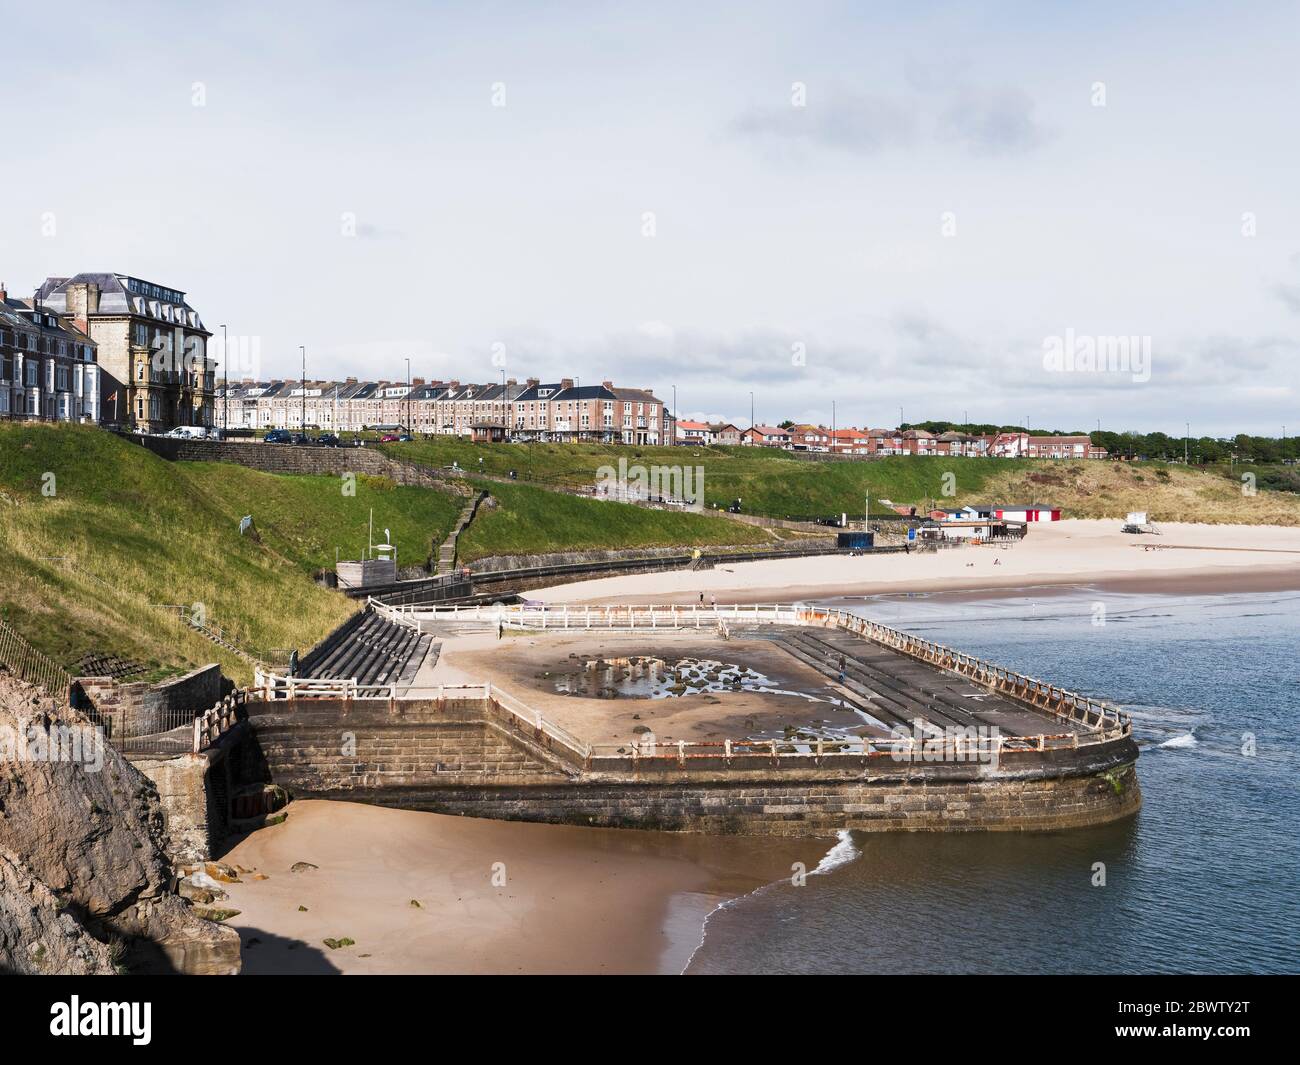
152, 348
48, 366
810, 438
1027, 512
766, 436
724, 433
509, 410
695, 433
920, 442
850, 442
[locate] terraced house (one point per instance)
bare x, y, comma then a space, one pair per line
152, 345
48, 367
563, 411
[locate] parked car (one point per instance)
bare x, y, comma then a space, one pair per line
187, 432
327, 440
405, 438
388, 438
278, 436
300, 438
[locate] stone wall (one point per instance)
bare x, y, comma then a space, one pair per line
140, 709
195, 819
458, 758
364, 748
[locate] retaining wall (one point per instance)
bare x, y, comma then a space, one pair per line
139, 708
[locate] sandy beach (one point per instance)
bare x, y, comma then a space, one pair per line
1184, 559
494, 896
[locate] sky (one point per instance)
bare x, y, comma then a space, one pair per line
853, 211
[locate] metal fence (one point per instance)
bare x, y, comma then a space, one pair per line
31, 665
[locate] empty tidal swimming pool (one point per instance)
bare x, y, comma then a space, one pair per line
615, 687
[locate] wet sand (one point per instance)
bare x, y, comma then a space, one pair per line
1186, 559
574, 900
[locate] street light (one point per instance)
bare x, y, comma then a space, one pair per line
225, 376
302, 425
408, 394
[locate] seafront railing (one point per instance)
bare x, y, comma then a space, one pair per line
270, 686
540, 617
1067, 705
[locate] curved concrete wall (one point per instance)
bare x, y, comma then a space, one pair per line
460, 758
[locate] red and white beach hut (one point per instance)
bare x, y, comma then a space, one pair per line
1029, 512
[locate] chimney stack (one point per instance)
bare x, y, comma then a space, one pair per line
566, 382
4, 292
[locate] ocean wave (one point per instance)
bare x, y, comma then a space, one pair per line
844, 851
841, 853
1185, 740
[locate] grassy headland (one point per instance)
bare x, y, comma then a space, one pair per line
779, 485
97, 534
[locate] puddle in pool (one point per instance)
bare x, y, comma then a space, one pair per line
657, 678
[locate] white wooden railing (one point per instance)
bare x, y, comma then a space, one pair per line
539, 616
277, 686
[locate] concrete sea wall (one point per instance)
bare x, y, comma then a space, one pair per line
459, 757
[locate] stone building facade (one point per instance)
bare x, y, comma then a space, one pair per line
48, 367
153, 348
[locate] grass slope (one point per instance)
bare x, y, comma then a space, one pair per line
1167, 493
776, 484
86, 562
531, 520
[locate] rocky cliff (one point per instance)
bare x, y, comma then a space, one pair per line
81, 861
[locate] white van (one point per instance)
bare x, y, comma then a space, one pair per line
188, 432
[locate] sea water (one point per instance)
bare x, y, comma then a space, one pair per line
1205, 879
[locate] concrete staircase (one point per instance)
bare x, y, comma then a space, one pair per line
375, 651
447, 552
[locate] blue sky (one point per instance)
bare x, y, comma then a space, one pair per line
948, 198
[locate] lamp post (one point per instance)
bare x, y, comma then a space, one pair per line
302, 425
225, 380
408, 395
